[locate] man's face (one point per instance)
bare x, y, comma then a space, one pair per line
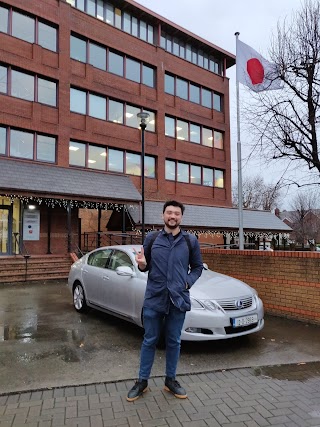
172, 217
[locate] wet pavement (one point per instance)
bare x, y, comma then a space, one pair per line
60, 368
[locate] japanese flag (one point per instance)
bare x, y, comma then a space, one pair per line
255, 71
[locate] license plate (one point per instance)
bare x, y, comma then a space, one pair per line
244, 321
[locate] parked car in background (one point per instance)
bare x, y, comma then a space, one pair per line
108, 279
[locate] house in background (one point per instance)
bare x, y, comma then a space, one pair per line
74, 75
305, 226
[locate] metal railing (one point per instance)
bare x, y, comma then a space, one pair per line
93, 240
22, 250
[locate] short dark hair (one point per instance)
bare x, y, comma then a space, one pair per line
173, 203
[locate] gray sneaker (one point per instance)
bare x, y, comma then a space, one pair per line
174, 387
137, 390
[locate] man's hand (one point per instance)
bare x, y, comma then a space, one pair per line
141, 259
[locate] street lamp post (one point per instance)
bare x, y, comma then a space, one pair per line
144, 117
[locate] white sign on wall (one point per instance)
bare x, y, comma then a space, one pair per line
31, 225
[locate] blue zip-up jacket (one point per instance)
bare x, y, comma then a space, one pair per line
169, 271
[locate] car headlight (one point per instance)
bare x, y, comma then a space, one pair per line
204, 305
211, 305
195, 304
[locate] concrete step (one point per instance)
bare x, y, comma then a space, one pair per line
13, 269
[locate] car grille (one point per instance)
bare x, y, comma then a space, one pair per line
236, 303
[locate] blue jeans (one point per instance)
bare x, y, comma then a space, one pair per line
153, 323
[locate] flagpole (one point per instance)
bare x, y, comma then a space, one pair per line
240, 201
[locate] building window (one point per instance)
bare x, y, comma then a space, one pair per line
182, 130
23, 27
148, 75
170, 170
97, 106
206, 98
151, 127
131, 116
218, 139
218, 178
194, 93
77, 154
169, 84
3, 140
115, 111
217, 102
192, 132
182, 88
115, 63
191, 92
22, 85
182, 172
3, 79
97, 157
170, 126
28, 28
115, 160
78, 101
4, 19
97, 56
126, 23
110, 14
47, 92
133, 164
149, 167
46, 148
47, 36
78, 49
195, 133
207, 137
208, 177
27, 145
133, 70
193, 174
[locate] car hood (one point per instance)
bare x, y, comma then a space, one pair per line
216, 286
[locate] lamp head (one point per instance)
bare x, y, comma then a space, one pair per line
144, 118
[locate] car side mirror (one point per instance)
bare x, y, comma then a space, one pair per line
125, 271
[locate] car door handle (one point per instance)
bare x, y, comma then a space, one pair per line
105, 277
85, 271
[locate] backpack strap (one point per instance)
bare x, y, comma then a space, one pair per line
187, 238
147, 252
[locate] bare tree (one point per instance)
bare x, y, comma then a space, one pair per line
256, 194
305, 217
284, 123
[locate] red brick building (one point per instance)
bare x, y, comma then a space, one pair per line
74, 74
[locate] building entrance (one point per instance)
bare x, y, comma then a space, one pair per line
5, 230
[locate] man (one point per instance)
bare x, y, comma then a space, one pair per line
166, 255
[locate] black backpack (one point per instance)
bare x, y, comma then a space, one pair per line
153, 238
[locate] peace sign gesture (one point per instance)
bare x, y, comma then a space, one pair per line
140, 258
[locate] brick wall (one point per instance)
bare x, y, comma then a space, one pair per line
287, 282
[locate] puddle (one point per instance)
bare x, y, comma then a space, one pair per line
293, 372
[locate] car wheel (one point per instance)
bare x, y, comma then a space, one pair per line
79, 299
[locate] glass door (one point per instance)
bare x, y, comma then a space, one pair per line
5, 230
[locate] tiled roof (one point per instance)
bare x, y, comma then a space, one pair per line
53, 180
214, 217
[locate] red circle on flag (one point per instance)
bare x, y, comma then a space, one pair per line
255, 70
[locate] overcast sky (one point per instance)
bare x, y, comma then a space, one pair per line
217, 21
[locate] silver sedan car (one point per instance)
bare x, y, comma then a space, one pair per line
108, 279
